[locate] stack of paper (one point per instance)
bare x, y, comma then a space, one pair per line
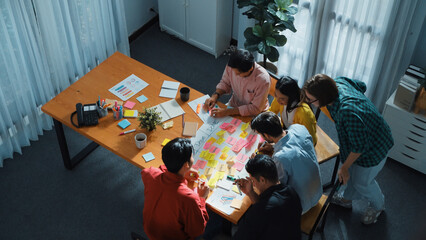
169, 89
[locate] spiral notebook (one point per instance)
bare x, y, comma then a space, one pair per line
169, 110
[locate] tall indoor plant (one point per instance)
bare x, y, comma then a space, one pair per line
272, 18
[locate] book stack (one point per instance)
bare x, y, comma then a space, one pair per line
408, 87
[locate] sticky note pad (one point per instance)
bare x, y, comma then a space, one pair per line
200, 164
142, 98
239, 166
231, 140
224, 126
124, 123
212, 140
165, 141
148, 157
167, 125
220, 141
198, 108
223, 156
239, 145
212, 149
236, 203
130, 113
207, 145
208, 172
243, 134
235, 189
232, 171
129, 104
223, 167
231, 128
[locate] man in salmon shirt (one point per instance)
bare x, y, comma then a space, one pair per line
172, 210
249, 83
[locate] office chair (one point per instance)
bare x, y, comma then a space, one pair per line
310, 221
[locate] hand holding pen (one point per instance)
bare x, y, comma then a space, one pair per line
245, 185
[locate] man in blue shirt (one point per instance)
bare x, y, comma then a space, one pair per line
365, 139
294, 155
276, 210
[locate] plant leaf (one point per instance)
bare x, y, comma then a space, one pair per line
270, 41
283, 4
257, 31
282, 16
291, 10
281, 40
290, 25
273, 55
243, 3
267, 29
263, 48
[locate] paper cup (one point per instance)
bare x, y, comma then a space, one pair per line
140, 140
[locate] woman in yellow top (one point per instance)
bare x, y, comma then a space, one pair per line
288, 106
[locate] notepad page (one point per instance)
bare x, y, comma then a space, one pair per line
172, 108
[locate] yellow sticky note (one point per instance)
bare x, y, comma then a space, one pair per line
212, 156
167, 125
235, 189
223, 167
212, 140
245, 126
212, 182
203, 177
223, 156
221, 174
208, 172
165, 141
212, 163
220, 133
226, 149
220, 141
232, 171
243, 134
236, 203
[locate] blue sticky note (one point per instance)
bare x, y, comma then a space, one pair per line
123, 124
142, 98
148, 157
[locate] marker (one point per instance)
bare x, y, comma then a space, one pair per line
126, 132
261, 146
238, 186
109, 104
183, 120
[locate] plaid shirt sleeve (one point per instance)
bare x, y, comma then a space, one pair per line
356, 130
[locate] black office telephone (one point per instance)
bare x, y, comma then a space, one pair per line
87, 115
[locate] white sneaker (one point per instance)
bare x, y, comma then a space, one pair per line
371, 215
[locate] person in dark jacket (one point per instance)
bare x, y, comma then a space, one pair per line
276, 210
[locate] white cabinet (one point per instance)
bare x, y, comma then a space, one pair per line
409, 134
206, 24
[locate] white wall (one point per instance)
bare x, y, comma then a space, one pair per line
138, 13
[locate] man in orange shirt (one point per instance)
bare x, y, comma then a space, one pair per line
172, 210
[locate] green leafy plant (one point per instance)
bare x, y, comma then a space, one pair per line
149, 118
272, 18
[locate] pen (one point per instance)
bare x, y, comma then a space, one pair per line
183, 120
238, 186
127, 132
106, 105
261, 146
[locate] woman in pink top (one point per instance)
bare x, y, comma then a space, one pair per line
249, 83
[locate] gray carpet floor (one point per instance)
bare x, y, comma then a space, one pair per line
102, 198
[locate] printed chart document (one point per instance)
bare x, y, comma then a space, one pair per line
169, 89
128, 87
169, 110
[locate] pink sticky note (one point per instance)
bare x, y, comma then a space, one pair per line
244, 158
231, 140
239, 157
236, 122
239, 166
217, 151
224, 125
129, 104
200, 164
249, 144
212, 149
252, 138
239, 145
207, 145
231, 128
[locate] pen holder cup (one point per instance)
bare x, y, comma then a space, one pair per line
101, 111
118, 114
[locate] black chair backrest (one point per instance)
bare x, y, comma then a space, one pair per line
335, 188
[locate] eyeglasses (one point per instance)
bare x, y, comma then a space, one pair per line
309, 101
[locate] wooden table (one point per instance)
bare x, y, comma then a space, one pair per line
96, 83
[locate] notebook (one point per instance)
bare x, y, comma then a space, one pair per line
169, 89
190, 129
169, 110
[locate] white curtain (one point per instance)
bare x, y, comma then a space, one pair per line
360, 39
45, 46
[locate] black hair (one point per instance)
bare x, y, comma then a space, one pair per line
267, 122
288, 86
262, 166
175, 153
323, 88
242, 60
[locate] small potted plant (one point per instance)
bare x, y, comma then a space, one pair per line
149, 118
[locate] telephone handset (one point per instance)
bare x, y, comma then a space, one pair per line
87, 115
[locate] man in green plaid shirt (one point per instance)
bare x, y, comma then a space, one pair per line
365, 139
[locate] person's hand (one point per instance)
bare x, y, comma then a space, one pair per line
245, 185
191, 175
209, 103
218, 112
203, 190
267, 148
343, 175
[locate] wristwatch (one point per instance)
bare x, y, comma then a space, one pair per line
218, 95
